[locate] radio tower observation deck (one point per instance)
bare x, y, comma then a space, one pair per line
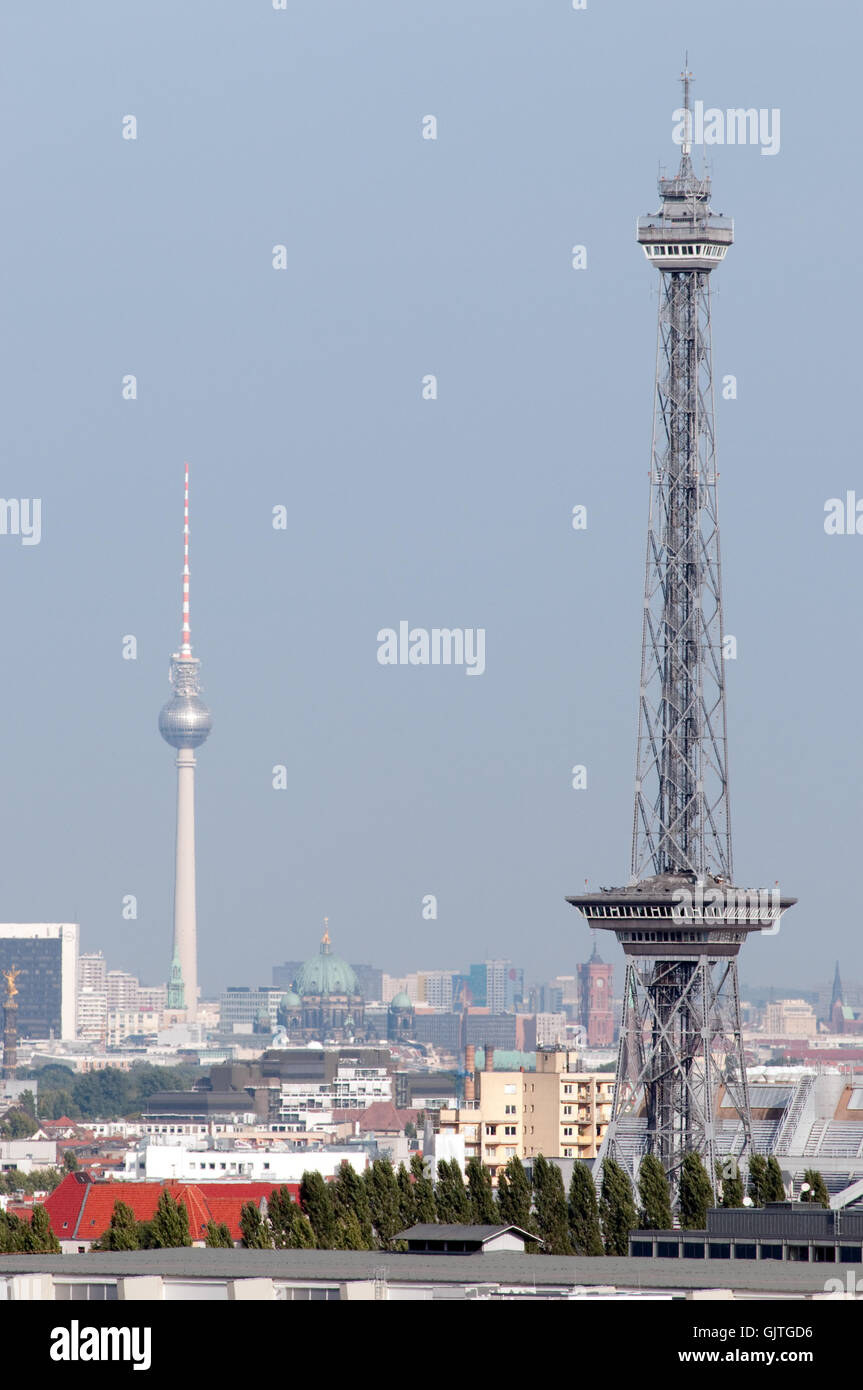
681, 1078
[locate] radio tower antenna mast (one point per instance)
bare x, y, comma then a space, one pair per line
184, 723
681, 1077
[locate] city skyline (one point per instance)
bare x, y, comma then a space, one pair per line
303, 389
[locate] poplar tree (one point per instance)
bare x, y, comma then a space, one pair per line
731, 1185
584, 1212
616, 1208
169, 1228
383, 1194
39, 1238
254, 1229
425, 1209
218, 1236
653, 1192
453, 1203
350, 1197
123, 1231
407, 1201
696, 1194
774, 1187
552, 1213
514, 1196
757, 1179
483, 1211
317, 1203
817, 1188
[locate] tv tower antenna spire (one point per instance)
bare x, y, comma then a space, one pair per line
184, 723
680, 921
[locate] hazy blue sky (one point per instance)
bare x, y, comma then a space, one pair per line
302, 387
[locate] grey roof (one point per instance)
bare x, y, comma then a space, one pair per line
509, 1269
431, 1231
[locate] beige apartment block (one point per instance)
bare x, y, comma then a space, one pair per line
554, 1111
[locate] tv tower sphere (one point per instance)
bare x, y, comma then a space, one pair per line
185, 721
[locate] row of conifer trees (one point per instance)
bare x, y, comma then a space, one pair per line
367, 1211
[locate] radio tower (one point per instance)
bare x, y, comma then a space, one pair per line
680, 921
185, 723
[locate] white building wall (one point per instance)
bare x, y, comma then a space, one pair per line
187, 1164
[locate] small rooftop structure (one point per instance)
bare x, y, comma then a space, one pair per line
465, 1240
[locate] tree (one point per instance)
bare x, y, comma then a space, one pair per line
731, 1185
410, 1130
317, 1203
451, 1199
383, 1194
655, 1214
425, 1207
39, 1238
27, 1102
218, 1236
696, 1194
514, 1196
757, 1179
774, 1187
407, 1200
817, 1188
70, 1161
169, 1228
616, 1208
552, 1214
17, 1124
254, 1229
350, 1198
483, 1210
122, 1232
584, 1226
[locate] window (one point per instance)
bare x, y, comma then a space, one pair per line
643, 1248
771, 1252
567, 1129
567, 1110
850, 1254
509, 1129
691, 1251
567, 1090
491, 1129
667, 1249
567, 1153
720, 1250
509, 1109
509, 1090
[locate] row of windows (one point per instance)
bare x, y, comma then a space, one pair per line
745, 1250
699, 249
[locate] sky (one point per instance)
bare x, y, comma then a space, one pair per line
302, 388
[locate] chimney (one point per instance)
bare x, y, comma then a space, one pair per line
470, 1068
488, 1059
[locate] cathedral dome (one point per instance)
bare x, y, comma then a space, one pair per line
326, 974
400, 1001
290, 1000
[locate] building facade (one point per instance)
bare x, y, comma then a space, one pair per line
46, 954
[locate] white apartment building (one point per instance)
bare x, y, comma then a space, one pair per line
92, 1014
122, 991
129, 1023
92, 971
182, 1160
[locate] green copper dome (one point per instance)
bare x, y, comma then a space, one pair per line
290, 1000
327, 974
400, 1001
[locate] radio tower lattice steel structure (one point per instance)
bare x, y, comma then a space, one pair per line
680, 921
184, 723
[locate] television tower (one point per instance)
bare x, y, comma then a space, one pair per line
185, 722
680, 920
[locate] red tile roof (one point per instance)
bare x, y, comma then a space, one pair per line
381, 1117
81, 1210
